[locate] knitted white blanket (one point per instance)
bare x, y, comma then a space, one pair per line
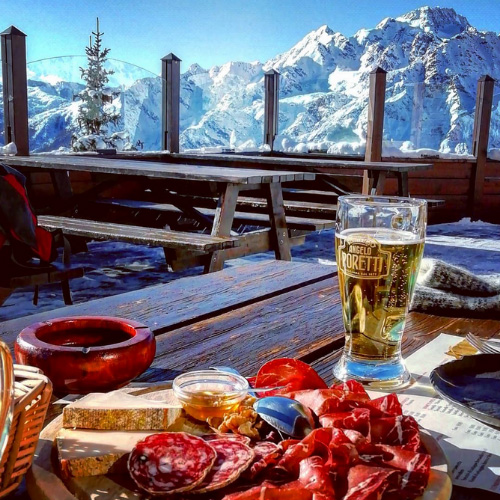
444, 288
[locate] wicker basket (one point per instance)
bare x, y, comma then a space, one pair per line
32, 392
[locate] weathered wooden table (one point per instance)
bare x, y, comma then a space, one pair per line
226, 183
377, 171
244, 316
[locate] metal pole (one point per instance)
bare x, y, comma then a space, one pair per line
171, 82
15, 89
271, 106
480, 137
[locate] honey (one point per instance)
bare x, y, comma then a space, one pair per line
208, 404
207, 394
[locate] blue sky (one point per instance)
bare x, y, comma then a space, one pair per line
205, 31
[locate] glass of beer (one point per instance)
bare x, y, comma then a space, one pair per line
379, 243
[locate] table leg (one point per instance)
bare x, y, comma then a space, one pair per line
279, 231
223, 222
367, 182
378, 183
62, 184
4, 294
403, 189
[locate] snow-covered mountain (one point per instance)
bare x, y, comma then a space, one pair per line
433, 56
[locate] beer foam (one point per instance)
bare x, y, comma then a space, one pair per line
382, 235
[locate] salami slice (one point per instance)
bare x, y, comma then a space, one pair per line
170, 462
233, 457
230, 436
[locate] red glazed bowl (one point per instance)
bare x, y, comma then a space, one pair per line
85, 354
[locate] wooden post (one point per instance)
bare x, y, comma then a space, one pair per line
171, 82
480, 136
375, 127
15, 89
271, 106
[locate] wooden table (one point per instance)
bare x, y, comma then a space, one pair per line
227, 183
244, 316
377, 171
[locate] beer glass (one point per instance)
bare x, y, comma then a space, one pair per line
379, 243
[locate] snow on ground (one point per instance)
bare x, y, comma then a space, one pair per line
113, 268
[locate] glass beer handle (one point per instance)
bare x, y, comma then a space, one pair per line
6, 395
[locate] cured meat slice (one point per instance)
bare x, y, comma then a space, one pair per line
320, 401
233, 457
270, 491
264, 448
367, 483
171, 462
343, 454
355, 437
315, 443
352, 387
295, 375
231, 436
394, 456
386, 406
266, 453
315, 475
314, 483
271, 459
401, 430
357, 419
323, 401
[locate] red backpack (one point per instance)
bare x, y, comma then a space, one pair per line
18, 222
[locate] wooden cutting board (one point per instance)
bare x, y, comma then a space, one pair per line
44, 482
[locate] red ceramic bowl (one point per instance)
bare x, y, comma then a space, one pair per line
85, 354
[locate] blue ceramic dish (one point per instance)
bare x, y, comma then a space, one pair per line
472, 384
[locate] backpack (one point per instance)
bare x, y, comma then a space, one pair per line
18, 223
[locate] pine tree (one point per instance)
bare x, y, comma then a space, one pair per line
93, 114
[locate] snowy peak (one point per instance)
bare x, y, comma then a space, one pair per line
196, 69
443, 22
236, 69
315, 46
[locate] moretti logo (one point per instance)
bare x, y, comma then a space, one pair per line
362, 257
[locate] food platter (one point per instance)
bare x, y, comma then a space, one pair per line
44, 481
473, 385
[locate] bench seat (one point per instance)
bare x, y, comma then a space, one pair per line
257, 219
137, 234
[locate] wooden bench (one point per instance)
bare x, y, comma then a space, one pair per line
137, 234
36, 276
309, 224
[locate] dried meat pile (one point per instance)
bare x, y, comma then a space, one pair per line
362, 449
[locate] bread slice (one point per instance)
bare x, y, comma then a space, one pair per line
91, 453
120, 411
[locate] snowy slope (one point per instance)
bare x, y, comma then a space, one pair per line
433, 56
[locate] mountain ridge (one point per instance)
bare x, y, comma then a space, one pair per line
433, 56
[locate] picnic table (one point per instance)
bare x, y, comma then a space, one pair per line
244, 316
167, 180
377, 171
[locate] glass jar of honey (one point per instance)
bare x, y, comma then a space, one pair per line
209, 393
